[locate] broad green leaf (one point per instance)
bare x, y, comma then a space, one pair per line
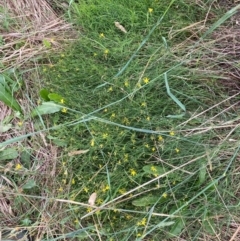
59, 142
44, 94
55, 97
177, 228
8, 99
153, 169
26, 158
145, 201
4, 128
8, 154
30, 184
46, 108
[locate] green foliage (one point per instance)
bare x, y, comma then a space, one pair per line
140, 108
8, 154
7, 88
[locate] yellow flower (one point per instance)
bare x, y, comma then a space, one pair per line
86, 189
18, 167
76, 221
92, 143
126, 83
73, 181
177, 150
94, 54
146, 80
106, 51
20, 123
143, 222
133, 172
113, 115
110, 89
64, 110
99, 201
153, 168
150, 10
106, 188
160, 138
101, 35
143, 104
172, 133
122, 190
62, 101
148, 118
89, 210
62, 55
153, 149
60, 189
105, 135
164, 195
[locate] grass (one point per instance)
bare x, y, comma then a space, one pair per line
143, 144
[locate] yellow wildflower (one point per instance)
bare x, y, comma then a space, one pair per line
110, 89
62, 101
106, 188
164, 195
150, 10
133, 172
146, 80
177, 150
160, 138
73, 181
172, 133
105, 135
89, 210
86, 189
99, 201
64, 110
106, 51
76, 221
143, 222
60, 189
92, 142
101, 35
143, 104
148, 118
122, 190
126, 83
153, 168
18, 167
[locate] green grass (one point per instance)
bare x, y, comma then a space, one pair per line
160, 136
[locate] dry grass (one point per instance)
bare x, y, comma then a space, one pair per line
33, 22
27, 25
